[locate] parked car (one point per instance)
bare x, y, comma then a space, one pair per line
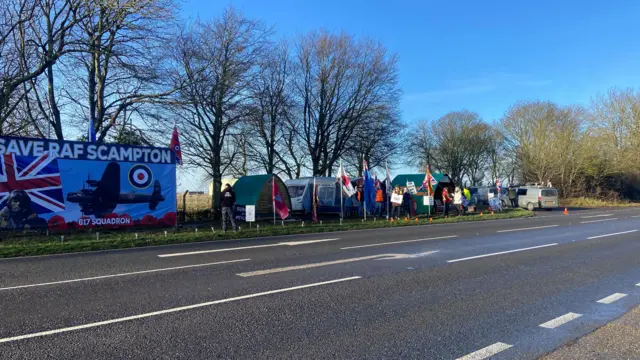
537, 197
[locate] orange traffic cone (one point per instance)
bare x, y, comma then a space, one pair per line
492, 213
481, 214
430, 219
566, 212
417, 220
392, 220
406, 219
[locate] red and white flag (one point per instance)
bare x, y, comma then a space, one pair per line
278, 202
345, 182
175, 145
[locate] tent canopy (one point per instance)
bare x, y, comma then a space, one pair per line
256, 190
402, 179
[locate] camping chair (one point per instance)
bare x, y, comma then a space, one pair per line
439, 206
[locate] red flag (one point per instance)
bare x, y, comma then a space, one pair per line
175, 145
278, 201
345, 181
429, 181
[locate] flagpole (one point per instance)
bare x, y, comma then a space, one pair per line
387, 186
273, 198
340, 188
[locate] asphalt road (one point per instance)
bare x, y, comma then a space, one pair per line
507, 289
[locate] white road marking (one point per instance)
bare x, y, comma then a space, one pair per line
638, 284
398, 242
595, 221
502, 252
289, 243
612, 298
122, 274
561, 320
486, 352
333, 262
529, 228
169, 311
613, 234
595, 216
636, 216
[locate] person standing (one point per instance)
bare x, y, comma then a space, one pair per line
512, 197
395, 207
360, 198
457, 201
227, 201
446, 199
406, 202
379, 202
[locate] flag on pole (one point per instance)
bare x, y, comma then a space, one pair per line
345, 182
175, 145
91, 132
429, 181
278, 202
369, 189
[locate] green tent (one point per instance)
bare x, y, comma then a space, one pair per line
417, 179
256, 190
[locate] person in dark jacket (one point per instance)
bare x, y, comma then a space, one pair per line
406, 202
227, 201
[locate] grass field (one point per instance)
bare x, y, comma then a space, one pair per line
26, 245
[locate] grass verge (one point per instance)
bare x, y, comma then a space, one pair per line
54, 244
584, 202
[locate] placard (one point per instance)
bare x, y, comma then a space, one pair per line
428, 200
411, 186
250, 213
396, 199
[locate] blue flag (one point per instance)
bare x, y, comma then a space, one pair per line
369, 189
91, 132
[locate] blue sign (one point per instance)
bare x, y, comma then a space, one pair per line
67, 184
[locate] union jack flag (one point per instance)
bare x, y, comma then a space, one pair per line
38, 176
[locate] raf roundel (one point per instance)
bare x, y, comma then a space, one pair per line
140, 176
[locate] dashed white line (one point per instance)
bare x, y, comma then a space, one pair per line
486, 352
289, 243
595, 216
612, 298
560, 320
169, 311
636, 216
529, 228
334, 262
595, 221
122, 274
612, 234
398, 242
502, 252
638, 284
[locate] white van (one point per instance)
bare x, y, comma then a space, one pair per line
537, 197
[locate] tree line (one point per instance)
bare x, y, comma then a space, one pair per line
245, 101
248, 101
588, 150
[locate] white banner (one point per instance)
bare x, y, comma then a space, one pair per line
250, 213
428, 200
411, 186
396, 199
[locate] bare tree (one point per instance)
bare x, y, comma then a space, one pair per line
460, 145
123, 65
271, 106
376, 140
340, 83
421, 145
34, 35
218, 60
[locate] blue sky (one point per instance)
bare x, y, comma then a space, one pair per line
477, 55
